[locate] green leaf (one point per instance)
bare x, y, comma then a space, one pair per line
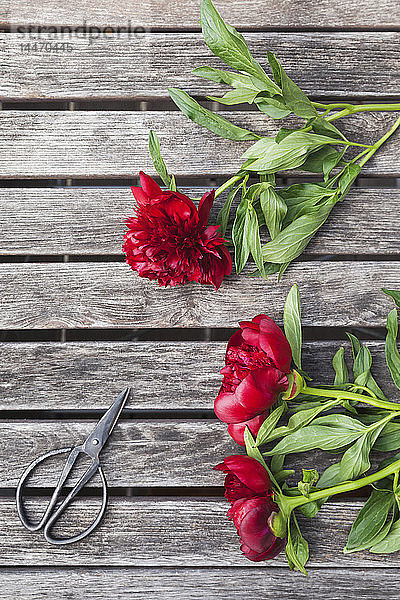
349, 175
292, 240
294, 97
292, 323
362, 370
312, 437
322, 160
391, 350
389, 438
225, 77
240, 234
229, 45
254, 239
155, 153
370, 521
269, 425
324, 127
355, 344
355, 461
274, 210
272, 107
251, 448
296, 547
340, 367
393, 294
301, 198
223, 215
340, 421
237, 96
269, 156
204, 117
391, 543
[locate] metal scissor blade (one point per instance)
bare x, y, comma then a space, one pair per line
96, 440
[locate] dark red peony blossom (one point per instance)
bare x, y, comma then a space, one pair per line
245, 478
257, 360
253, 518
236, 430
168, 238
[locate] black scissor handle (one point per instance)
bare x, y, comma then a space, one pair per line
59, 511
21, 485
52, 514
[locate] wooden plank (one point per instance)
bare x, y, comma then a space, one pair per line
54, 295
90, 221
161, 532
58, 144
87, 375
105, 68
174, 15
141, 453
188, 583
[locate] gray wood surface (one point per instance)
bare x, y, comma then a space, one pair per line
53, 144
95, 294
176, 14
87, 375
174, 532
119, 66
90, 221
142, 453
233, 583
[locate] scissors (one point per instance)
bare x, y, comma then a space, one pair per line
92, 447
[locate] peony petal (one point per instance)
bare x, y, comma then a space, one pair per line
140, 196
236, 430
205, 205
260, 390
248, 470
274, 343
229, 410
150, 187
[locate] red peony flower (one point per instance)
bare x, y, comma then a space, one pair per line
253, 519
236, 430
168, 238
245, 478
257, 360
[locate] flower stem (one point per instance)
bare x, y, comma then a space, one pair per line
349, 486
355, 108
227, 184
344, 395
380, 142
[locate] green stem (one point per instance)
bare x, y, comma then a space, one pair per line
227, 184
380, 142
355, 108
344, 395
349, 486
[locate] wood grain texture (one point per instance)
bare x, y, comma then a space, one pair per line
90, 221
174, 532
87, 375
55, 295
55, 144
145, 65
142, 453
233, 583
176, 14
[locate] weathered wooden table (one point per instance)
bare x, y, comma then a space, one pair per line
78, 326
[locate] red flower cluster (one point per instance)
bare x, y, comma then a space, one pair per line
257, 362
248, 489
168, 238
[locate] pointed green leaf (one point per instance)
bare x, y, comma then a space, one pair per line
340, 367
370, 520
206, 118
155, 153
292, 323
394, 294
391, 350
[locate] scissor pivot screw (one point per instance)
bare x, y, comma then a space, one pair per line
95, 442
